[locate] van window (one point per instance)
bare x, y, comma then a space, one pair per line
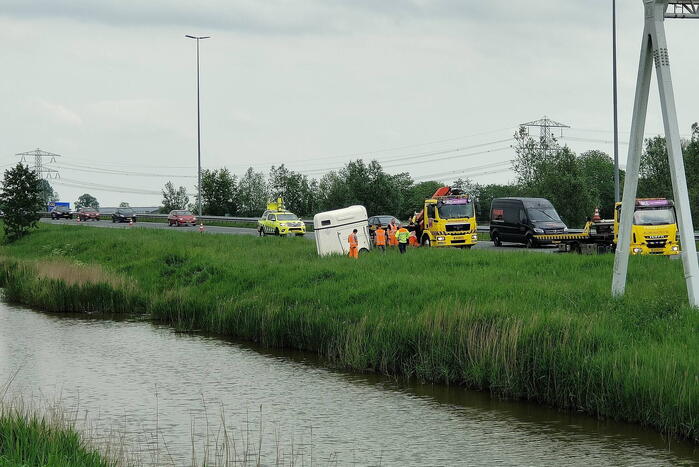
522, 216
543, 214
270, 217
325, 222
511, 214
497, 214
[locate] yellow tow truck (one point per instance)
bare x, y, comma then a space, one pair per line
447, 219
654, 231
276, 220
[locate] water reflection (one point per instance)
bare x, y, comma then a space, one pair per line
136, 376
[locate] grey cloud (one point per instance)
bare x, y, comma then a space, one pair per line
284, 17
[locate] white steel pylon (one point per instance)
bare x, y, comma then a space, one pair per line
654, 49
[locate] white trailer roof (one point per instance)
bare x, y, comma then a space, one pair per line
339, 217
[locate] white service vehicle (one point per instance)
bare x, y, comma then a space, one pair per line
332, 228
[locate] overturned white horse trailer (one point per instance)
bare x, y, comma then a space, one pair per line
332, 229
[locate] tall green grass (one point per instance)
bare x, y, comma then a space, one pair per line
521, 325
27, 439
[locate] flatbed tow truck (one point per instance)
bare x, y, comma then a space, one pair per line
654, 231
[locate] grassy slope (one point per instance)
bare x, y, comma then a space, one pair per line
26, 440
540, 327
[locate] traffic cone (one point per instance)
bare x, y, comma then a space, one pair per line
596, 217
201, 228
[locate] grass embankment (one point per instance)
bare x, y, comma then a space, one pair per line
522, 325
27, 439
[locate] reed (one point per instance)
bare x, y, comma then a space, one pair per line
27, 438
521, 325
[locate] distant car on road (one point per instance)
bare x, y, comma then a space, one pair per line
91, 214
180, 217
61, 212
124, 215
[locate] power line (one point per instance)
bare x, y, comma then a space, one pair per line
108, 188
428, 154
79, 168
455, 156
470, 174
461, 171
119, 165
591, 140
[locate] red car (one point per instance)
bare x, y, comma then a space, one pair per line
178, 218
88, 214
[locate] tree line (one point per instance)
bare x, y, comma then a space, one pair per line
576, 184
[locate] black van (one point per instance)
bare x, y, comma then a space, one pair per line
519, 219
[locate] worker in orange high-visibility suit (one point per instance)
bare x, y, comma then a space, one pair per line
380, 239
353, 245
412, 240
392, 229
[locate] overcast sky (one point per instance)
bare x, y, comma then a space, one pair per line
110, 85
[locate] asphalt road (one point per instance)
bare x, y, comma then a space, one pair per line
484, 245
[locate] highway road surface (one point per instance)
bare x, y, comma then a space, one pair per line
485, 245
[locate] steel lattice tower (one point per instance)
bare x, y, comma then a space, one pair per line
545, 125
38, 155
654, 50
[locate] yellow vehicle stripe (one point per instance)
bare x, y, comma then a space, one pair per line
580, 236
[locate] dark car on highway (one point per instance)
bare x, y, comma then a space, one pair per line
88, 214
124, 215
61, 212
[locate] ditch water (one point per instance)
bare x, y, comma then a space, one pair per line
165, 395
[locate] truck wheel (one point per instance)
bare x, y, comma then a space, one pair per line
262, 232
426, 241
496, 239
276, 232
363, 251
113, 221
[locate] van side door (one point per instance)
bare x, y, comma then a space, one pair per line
523, 228
510, 225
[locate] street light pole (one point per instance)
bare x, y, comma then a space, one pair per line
198, 38
617, 196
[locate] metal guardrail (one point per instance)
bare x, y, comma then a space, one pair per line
214, 218
481, 228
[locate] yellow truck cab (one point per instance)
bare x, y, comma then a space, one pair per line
447, 219
276, 220
654, 230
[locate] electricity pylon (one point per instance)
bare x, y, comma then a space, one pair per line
654, 49
41, 170
546, 138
